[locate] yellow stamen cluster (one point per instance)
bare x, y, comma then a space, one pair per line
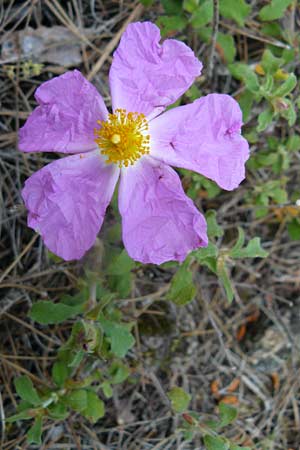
123, 137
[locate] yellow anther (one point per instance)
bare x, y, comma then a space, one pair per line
123, 137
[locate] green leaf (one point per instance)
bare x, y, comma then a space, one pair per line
211, 251
279, 195
264, 119
240, 241
290, 114
237, 10
223, 275
179, 399
215, 443
121, 264
226, 42
272, 29
120, 274
244, 72
190, 5
213, 229
24, 415
172, 6
77, 400
203, 15
77, 358
120, 338
275, 10
118, 372
121, 285
252, 250
270, 63
58, 411
60, 372
193, 93
169, 24
147, 3
78, 299
46, 312
107, 389
293, 143
94, 407
182, 290
26, 391
286, 87
210, 186
228, 414
294, 229
246, 100
238, 447
212, 424
34, 434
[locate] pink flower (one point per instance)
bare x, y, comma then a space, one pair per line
68, 198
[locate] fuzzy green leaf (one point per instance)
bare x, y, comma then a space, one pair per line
46, 312
294, 229
237, 10
119, 335
60, 372
226, 42
213, 229
270, 63
215, 443
286, 87
179, 399
223, 275
77, 400
264, 119
203, 15
23, 415
190, 5
275, 10
94, 407
228, 414
169, 24
172, 6
202, 254
34, 434
121, 264
58, 411
26, 391
238, 447
252, 250
118, 372
182, 290
107, 389
244, 72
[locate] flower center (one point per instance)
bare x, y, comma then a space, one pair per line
123, 137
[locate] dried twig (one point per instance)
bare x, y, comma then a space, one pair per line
213, 38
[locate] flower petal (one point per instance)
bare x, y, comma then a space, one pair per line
205, 137
67, 200
64, 121
160, 223
145, 75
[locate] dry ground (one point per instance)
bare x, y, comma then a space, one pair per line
256, 340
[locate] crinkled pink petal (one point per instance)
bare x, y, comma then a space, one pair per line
160, 223
146, 76
67, 200
64, 121
205, 137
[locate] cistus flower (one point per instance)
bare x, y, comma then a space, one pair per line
136, 143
